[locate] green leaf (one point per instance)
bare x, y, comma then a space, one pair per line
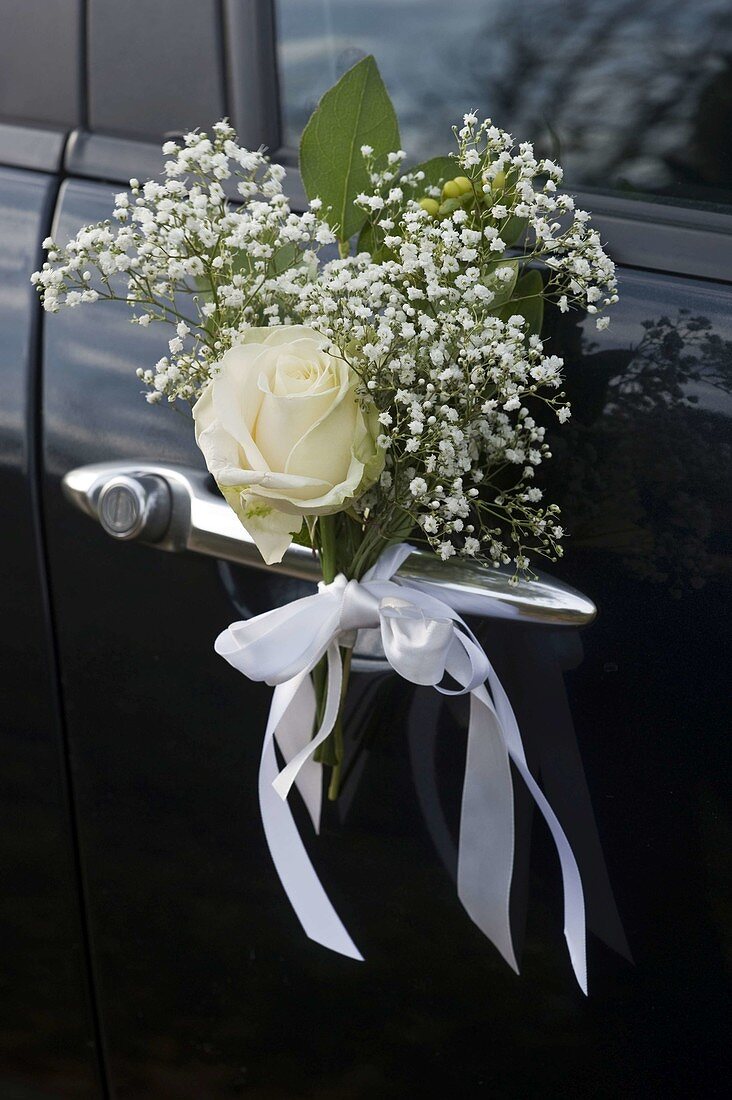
285, 257
513, 229
356, 111
436, 171
303, 536
502, 290
371, 241
528, 300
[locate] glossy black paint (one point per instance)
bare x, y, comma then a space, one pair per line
46, 1023
207, 985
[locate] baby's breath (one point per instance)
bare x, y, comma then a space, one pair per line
179, 251
430, 314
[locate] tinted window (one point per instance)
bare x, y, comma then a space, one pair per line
154, 69
634, 95
40, 61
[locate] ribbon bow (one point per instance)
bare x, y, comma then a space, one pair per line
424, 638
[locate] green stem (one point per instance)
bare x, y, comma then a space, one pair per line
325, 535
337, 735
329, 540
328, 547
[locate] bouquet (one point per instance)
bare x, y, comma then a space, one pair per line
362, 372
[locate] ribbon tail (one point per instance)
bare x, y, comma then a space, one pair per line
293, 733
485, 853
283, 782
575, 932
304, 890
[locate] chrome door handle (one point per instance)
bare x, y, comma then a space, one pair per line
174, 508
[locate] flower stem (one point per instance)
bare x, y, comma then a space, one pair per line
327, 542
324, 754
327, 547
337, 735
335, 537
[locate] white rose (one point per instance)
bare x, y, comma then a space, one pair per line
284, 435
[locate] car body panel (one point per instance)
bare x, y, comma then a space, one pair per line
208, 985
47, 1030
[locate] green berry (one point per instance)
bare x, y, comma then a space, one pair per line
451, 190
465, 185
432, 206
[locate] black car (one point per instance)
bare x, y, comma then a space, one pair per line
147, 949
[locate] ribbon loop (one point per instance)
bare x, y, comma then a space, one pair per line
424, 638
415, 646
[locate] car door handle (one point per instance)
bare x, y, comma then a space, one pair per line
177, 508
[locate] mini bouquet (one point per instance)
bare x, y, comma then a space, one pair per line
361, 372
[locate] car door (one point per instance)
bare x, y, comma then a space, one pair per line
49, 1044
206, 985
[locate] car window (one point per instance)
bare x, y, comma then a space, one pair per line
41, 62
624, 107
156, 74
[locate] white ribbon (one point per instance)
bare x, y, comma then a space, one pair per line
423, 638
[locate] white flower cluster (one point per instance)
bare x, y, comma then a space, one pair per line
439, 314
178, 251
436, 322
451, 383
507, 198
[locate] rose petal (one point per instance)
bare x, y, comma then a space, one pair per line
271, 529
284, 434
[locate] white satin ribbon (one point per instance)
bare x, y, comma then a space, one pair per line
423, 638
